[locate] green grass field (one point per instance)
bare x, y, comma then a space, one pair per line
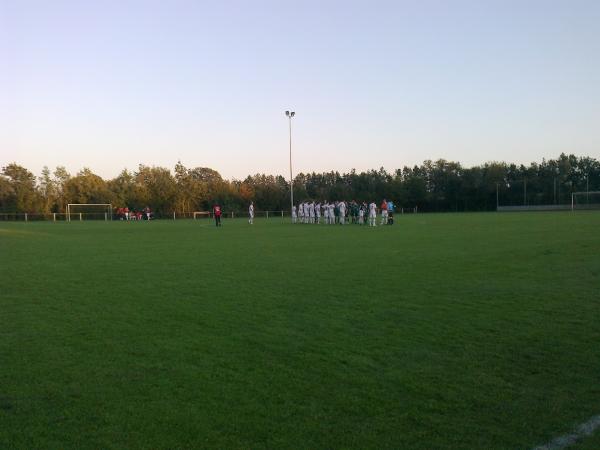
470, 331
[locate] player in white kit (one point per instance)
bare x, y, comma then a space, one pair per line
311, 212
318, 213
332, 213
251, 213
294, 215
372, 214
342, 208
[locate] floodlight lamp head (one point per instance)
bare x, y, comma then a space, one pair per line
287, 113
293, 113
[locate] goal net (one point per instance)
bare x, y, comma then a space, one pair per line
201, 215
89, 211
585, 200
411, 210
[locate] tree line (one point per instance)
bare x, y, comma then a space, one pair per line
432, 186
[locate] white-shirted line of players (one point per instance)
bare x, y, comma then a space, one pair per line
338, 213
342, 213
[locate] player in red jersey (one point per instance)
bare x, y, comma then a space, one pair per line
384, 212
217, 214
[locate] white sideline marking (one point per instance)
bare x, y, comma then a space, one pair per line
583, 430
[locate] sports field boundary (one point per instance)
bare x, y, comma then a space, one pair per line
566, 440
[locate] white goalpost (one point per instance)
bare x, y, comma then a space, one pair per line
102, 211
585, 200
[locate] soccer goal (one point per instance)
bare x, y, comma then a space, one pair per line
201, 215
408, 210
585, 200
89, 211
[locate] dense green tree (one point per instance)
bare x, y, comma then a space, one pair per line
270, 192
23, 195
431, 186
7, 195
156, 188
123, 189
192, 189
87, 187
48, 191
60, 179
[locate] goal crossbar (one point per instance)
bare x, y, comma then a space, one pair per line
201, 214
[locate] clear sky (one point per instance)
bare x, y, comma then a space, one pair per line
111, 84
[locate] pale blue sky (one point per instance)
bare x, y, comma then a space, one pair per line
110, 84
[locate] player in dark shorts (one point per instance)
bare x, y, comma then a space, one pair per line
217, 214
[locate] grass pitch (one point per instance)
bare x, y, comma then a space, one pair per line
443, 331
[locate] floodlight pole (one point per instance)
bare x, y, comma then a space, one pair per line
289, 115
497, 197
556, 185
587, 187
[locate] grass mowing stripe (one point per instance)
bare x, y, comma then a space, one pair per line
567, 440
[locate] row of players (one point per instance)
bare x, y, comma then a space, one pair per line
126, 214
343, 212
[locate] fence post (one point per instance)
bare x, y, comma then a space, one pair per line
53, 217
80, 217
173, 215
267, 214
106, 217
25, 217
232, 214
